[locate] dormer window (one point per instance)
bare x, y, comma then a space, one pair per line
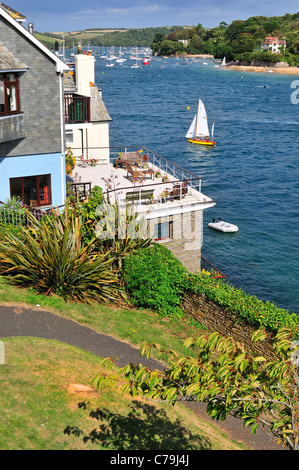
9, 93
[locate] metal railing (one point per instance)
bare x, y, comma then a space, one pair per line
215, 273
156, 161
80, 190
16, 217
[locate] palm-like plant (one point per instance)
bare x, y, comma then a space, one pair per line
124, 231
52, 258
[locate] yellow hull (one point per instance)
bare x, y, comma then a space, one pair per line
202, 142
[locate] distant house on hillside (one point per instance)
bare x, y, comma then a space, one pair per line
273, 44
185, 42
32, 125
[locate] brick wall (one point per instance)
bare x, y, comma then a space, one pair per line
39, 97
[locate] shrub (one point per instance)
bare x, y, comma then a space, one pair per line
244, 306
50, 257
87, 210
9, 229
120, 232
70, 161
155, 279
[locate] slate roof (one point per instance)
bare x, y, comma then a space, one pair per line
15, 14
8, 62
98, 110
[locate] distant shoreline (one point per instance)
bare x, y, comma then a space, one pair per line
250, 68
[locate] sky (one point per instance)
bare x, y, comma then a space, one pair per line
71, 15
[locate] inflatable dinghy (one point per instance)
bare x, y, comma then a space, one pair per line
224, 226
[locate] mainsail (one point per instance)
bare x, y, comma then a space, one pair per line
199, 125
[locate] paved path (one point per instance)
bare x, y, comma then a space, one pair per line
20, 321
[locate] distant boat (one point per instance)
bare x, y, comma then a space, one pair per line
198, 132
223, 63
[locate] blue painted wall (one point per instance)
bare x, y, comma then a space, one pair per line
14, 167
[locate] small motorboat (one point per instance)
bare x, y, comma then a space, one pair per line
223, 226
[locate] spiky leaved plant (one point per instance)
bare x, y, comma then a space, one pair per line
120, 231
51, 257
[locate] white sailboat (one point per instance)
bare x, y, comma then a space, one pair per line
120, 59
198, 132
223, 63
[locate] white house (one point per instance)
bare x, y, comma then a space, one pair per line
87, 119
273, 44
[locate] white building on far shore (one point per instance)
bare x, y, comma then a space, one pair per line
273, 44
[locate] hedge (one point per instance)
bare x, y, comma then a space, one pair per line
156, 279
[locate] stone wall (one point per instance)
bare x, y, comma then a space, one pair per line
215, 318
186, 239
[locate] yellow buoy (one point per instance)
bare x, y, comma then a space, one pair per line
188, 107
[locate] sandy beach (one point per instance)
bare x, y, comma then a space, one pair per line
248, 68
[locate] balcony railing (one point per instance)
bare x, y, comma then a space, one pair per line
76, 109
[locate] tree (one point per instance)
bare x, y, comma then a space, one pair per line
243, 43
231, 380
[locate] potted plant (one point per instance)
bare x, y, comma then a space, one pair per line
158, 174
70, 161
93, 161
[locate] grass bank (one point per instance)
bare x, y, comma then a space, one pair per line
41, 411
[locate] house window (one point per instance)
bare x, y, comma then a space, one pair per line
69, 136
9, 93
32, 190
162, 231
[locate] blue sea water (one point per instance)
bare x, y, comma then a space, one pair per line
252, 173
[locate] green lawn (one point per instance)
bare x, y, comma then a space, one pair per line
39, 412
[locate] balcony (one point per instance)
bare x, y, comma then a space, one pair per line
138, 176
76, 109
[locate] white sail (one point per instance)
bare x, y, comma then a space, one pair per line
202, 129
191, 131
212, 133
223, 62
199, 126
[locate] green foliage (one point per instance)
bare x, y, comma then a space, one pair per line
120, 232
155, 279
244, 306
50, 257
244, 42
87, 210
228, 378
261, 56
70, 161
239, 37
6, 229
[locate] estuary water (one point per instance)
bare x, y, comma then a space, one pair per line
252, 173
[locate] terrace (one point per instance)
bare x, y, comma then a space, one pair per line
138, 176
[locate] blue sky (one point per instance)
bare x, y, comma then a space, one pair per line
70, 15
